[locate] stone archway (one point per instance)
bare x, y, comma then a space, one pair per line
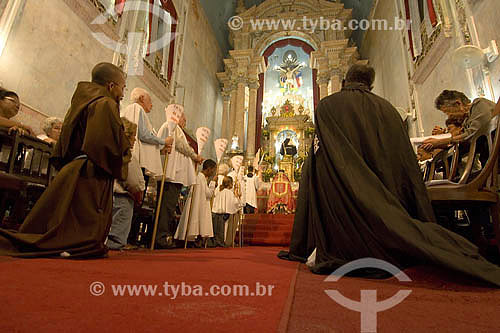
242, 79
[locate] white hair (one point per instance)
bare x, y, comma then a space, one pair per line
223, 169
137, 93
48, 123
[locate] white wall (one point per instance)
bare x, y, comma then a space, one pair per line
50, 49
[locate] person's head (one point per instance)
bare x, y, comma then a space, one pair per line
141, 97
130, 130
454, 124
182, 121
111, 77
360, 74
227, 182
52, 127
209, 168
452, 102
9, 103
223, 169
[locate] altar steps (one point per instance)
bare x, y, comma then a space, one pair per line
268, 229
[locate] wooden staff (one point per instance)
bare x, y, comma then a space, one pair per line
189, 214
158, 205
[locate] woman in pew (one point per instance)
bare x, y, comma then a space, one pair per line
9, 107
52, 130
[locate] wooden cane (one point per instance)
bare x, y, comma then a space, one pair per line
189, 214
158, 205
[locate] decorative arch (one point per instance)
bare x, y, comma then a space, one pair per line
270, 48
267, 41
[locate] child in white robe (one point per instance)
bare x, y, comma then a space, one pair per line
225, 206
251, 184
222, 172
198, 219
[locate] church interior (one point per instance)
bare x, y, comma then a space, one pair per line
222, 100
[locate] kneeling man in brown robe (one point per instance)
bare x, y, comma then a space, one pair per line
73, 216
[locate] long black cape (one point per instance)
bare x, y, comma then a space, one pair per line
362, 194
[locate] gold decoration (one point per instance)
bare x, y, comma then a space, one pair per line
286, 110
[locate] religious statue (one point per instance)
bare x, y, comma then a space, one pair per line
288, 148
290, 77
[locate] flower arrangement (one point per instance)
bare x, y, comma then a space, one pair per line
309, 132
266, 134
268, 174
269, 159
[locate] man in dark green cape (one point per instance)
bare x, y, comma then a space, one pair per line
362, 194
73, 215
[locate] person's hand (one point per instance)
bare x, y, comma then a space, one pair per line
29, 129
18, 129
198, 159
169, 141
438, 130
429, 144
50, 140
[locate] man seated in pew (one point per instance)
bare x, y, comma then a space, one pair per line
477, 114
9, 107
52, 130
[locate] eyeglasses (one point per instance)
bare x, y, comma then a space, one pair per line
14, 100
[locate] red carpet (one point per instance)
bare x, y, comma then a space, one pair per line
268, 229
52, 295
45, 295
440, 302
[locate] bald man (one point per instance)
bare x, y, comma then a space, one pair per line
72, 217
181, 171
148, 145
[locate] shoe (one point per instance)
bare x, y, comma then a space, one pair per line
129, 247
198, 244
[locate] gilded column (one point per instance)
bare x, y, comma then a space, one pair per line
232, 114
226, 109
239, 122
252, 118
